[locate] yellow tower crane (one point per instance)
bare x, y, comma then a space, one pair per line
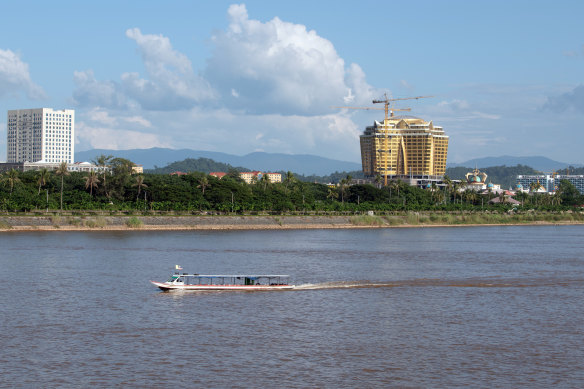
388, 114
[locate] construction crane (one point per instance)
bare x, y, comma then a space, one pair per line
388, 114
387, 101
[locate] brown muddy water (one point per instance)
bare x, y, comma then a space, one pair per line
441, 307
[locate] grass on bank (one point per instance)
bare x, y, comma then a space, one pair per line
134, 222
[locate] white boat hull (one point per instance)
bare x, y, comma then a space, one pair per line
167, 286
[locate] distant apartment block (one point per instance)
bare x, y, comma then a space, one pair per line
72, 167
40, 135
549, 182
250, 177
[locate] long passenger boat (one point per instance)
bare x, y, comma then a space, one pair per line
184, 281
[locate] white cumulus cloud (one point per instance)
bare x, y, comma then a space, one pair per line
94, 136
172, 84
15, 77
281, 67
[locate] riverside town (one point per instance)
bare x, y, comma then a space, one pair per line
404, 181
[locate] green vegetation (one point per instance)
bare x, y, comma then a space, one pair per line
134, 222
204, 165
5, 225
366, 220
198, 193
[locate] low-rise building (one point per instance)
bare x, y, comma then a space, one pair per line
219, 175
72, 167
251, 177
548, 182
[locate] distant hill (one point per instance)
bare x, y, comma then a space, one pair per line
188, 165
160, 157
542, 164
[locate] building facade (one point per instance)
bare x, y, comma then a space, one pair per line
549, 182
251, 177
72, 167
41, 135
404, 146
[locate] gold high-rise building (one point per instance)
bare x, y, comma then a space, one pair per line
404, 146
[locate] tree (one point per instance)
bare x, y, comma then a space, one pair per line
103, 162
43, 178
343, 184
203, 183
535, 186
265, 181
91, 182
569, 194
289, 179
140, 184
457, 188
395, 185
332, 194
121, 177
449, 185
62, 171
377, 180
12, 178
502, 197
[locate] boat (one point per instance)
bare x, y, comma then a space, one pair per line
185, 281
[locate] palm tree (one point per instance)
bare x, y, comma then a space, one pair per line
557, 197
203, 183
91, 182
502, 197
140, 184
449, 185
12, 178
535, 186
289, 178
44, 176
103, 163
332, 194
377, 180
62, 171
456, 189
265, 180
395, 185
344, 183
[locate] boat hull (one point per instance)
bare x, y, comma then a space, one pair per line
168, 287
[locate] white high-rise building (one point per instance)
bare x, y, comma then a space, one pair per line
41, 135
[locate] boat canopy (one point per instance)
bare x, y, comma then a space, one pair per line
232, 275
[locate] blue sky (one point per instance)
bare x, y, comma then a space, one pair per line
506, 76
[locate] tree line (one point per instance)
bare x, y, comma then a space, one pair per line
120, 190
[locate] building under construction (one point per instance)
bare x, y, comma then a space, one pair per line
404, 146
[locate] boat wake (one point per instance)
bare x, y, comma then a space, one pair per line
345, 285
494, 282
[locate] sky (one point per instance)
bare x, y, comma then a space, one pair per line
505, 76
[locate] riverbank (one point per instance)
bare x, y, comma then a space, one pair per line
284, 222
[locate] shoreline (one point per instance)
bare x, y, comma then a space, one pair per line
225, 223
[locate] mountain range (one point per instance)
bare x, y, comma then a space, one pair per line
298, 163
160, 157
539, 163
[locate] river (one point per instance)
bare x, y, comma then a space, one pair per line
405, 307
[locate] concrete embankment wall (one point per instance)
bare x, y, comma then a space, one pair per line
171, 222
